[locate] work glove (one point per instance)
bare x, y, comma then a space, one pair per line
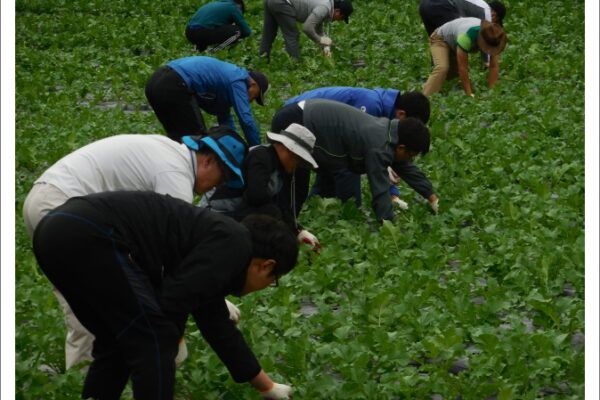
399, 203
434, 205
278, 391
327, 51
394, 178
182, 353
234, 313
325, 41
306, 237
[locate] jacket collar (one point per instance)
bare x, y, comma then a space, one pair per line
393, 132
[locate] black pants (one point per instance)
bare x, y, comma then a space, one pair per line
203, 37
435, 13
174, 104
113, 299
339, 183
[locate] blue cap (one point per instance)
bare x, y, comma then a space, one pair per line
228, 145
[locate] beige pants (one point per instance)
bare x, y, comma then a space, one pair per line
42, 199
444, 64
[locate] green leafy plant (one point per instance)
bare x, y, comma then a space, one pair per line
484, 300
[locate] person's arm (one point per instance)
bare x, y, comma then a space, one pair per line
197, 286
241, 22
462, 59
225, 118
414, 177
494, 71
241, 105
313, 26
212, 319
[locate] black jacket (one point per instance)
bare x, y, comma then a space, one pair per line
186, 253
267, 189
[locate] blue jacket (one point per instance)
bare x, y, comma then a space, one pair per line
219, 13
376, 102
222, 85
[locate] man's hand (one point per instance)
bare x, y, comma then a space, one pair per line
306, 237
399, 203
327, 51
234, 313
325, 41
278, 391
434, 203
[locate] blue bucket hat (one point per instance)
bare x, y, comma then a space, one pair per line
226, 144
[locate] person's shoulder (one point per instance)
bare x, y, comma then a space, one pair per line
263, 153
235, 232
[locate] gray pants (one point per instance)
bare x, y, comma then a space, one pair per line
280, 14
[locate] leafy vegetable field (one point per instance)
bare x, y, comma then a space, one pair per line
483, 301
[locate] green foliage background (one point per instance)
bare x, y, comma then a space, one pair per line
494, 283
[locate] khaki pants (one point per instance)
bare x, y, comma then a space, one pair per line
42, 199
444, 64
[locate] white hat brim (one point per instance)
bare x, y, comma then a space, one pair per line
293, 147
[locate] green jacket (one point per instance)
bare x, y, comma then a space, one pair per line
349, 138
219, 13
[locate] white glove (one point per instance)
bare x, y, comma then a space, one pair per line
306, 237
394, 178
399, 203
278, 391
182, 353
435, 205
327, 51
325, 41
234, 313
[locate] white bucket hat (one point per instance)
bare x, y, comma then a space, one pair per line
299, 140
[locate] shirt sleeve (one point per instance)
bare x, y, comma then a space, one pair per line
212, 319
313, 26
414, 177
206, 271
379, 182
241, 105
464, 42
241, 22
198, 287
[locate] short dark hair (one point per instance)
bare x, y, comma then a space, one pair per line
241, 4
413, 134
272, 239
500, 9
414, 104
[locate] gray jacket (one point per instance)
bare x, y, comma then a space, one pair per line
348, 138
312, 14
